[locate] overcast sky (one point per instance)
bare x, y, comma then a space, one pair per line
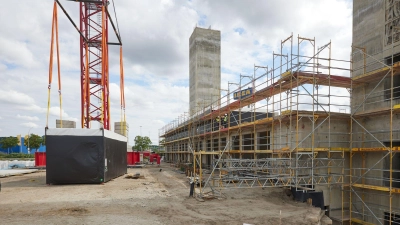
155, 36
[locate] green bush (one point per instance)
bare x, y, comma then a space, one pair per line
16, 155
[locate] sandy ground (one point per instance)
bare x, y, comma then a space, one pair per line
159, 198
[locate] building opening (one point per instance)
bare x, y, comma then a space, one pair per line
395, 219
395, 167
264, 140
248, 141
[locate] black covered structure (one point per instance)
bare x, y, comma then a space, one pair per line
84, 156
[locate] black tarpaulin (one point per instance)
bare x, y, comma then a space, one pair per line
84, 156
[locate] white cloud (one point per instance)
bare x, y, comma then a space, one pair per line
2, 67
15, 97
31, 118
29, 124
155, 36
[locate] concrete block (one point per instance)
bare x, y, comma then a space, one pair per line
65, 124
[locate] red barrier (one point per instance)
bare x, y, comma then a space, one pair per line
158, 159
136, 157
132, 158
40, 159
129, 158
151, 158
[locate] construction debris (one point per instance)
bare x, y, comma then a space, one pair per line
134, 176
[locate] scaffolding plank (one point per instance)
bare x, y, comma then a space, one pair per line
376, 188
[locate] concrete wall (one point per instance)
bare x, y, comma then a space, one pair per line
375, 24
204, 68
368, 31
378, 203
335, 134
378, 96
378, 127
65, 124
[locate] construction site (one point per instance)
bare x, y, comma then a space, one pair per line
326, 129
306, 138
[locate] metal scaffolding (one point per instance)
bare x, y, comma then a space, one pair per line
287, 126
375, 137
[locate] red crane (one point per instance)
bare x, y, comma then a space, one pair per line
94, 19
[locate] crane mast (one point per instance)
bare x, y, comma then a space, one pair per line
94, 64
94, 18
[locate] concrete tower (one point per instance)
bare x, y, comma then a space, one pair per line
204, 68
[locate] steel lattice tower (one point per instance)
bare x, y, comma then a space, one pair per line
94, 64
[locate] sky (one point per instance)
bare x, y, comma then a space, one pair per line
155, 36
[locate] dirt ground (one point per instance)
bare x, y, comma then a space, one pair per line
159, 198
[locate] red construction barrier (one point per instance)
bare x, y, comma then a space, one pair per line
40, 159
129, 158
136, 157
151, 158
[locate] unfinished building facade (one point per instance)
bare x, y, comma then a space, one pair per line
311, 123
289, 129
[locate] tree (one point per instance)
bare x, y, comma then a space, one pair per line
142, 143
44, 140
9, 142
35, 141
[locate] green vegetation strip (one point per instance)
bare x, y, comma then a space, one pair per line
16, 156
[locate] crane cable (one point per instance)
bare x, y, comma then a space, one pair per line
58, 68
116, 20
122, 92
54, 26
103, 68
122, 80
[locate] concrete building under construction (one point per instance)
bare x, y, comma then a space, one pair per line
204, 68
317, 125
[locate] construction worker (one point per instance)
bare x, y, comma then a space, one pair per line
225, 120
217, 121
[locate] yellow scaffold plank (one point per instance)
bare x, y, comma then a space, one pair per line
284, 149
234, 151
310, 149
206, 153
371, 187
340, 149
377, 188
266, 120
263, 151
371, 73
377, 149
355, 220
